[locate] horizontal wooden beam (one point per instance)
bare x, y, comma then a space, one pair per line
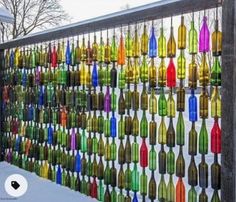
157, 10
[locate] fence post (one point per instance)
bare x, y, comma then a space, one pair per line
1, 112
229, 101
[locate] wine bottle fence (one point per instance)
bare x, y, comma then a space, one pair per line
117, 114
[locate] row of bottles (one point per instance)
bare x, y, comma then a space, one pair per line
76, 114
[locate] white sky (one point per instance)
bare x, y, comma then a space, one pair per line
86, 9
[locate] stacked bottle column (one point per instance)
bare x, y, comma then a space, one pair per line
128, 118
101, 53
152, 111
83, 80
162, 112
216, 110
77, 111
60, 100
72, 117
193, 113
171, 83
204, 47
89, 127
113, 121
107, 126
121, 123
94, 104
135, 107
144, 107
180, 127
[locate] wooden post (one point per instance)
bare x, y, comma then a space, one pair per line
228, 193
1, 111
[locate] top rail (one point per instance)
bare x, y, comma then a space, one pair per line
156, 10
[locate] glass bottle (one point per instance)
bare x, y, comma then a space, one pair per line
216, 73
181, 68
203, 139
171, 44
215, 104
152, 44
152, 188
171, 74
162, 44
204, 37
182, 35
193, 39
136, 44
216, 138
129, 44
144, 41
204, 74
216, 40
153, 103
162, 74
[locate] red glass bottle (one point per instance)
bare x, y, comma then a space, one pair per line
144, 154
216, 138
171, 74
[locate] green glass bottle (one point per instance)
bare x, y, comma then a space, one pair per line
193, 39
170, 190
162, 192
144, 126
180, 130
152, 188
203, 139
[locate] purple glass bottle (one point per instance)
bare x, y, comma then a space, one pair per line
107, 101
204, 37
73, 140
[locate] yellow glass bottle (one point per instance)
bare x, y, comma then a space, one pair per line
83, 75
153, 103
204, 104
129, 44
182, 35
144, 41
181, 66
170, 106
152, 74
107, 55
204, 73
215, 104
192, 78
216, 40
162, 44
171, 45
136, 44
162, 73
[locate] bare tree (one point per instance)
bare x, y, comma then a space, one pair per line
30, 15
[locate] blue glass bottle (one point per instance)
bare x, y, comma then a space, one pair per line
192, 107
58, 180
30, 113
113, 126
24, 78
41, 95
135, 199
77, 163
152, 44
12, 59
68, 53
50, 134
95, 75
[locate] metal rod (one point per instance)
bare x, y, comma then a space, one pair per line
157, 10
